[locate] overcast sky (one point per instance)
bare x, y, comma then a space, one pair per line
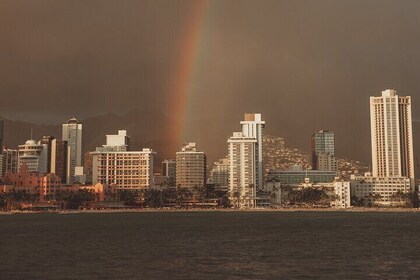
305, 65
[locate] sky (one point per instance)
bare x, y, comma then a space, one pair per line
305, 65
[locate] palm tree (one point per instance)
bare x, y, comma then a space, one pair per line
237, 196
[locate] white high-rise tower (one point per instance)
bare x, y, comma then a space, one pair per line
72, 132
246, 175
391, 135
253, 127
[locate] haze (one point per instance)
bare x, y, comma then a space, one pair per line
305, 65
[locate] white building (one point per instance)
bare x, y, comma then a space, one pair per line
128, 170
190, 167
121, 139
72, 132
338, 191
391, 135
379, 191
253, 127
34, 155
342, 194
242, 171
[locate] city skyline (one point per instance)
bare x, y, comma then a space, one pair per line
207, 139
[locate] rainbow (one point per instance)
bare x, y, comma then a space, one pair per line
179, 90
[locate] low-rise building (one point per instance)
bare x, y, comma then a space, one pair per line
337, 193
380, 191
296, 176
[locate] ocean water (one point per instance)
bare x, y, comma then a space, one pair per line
211, 245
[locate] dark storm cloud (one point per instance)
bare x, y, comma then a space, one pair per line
306, 65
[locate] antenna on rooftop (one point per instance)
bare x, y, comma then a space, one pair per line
32, 132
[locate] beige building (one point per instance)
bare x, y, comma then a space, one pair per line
129, 170
190, 167
391, 135
380, 191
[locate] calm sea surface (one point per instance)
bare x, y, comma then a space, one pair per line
211, 245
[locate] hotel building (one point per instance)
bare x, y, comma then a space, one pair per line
391, 135
115, 164
34, 155
190, 167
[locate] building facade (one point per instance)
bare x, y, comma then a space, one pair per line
292, 177
47, 140
323, 151
242, 171
190, 167
34, 155
10, 161
59, 159
127, 170
220, 173
169, 171
72, 133
253, 127
391, 135
380, 191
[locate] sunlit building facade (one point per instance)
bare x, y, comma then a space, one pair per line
127, 170
391, 135
190, 167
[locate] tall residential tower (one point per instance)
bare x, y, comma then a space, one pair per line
391, 135
246, 173
253, 127
72, 132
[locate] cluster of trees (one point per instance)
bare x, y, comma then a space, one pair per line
11, 200
71, 199
68, 198
309, 196
408, 200
74, 199
168, 196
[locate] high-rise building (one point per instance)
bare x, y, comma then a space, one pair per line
58, 159
246, 173
10, 161
220, 172
169, 171
115, 165
391, 135
242, 171
34, 156
190, 167
253, 127
46, 140
323, 151
72, 132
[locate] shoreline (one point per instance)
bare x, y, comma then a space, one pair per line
173, 210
